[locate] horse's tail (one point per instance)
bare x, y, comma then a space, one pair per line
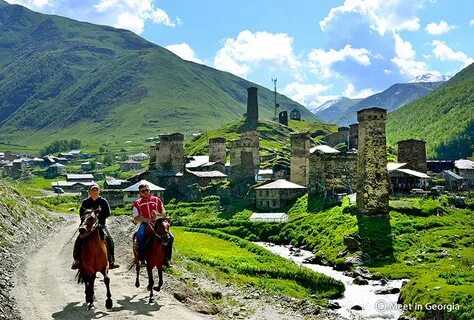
79, 277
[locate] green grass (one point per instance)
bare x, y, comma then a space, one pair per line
232, 259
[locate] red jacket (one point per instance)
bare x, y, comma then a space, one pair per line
144, 207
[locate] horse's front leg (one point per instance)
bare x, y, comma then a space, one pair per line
149, 270
160, 280
108, 302
89, 283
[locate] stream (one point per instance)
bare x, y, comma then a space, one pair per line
374, 306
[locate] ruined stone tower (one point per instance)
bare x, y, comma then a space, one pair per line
372, 175
283, 118
244, 158
217, 152
252, 108
299, 163
413, 153
170, 153
353, 134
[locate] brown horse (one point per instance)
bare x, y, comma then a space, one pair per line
156, 242
93, 258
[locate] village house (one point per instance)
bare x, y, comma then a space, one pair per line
403, 180
130, 165
465, 168
264, 175
55, 170
295, 114
115, 184
453, 182
204, 178
277, 195
269, 217
138, 156
131, 193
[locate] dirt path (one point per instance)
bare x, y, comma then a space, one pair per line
45, 289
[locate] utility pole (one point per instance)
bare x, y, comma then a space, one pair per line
275, 91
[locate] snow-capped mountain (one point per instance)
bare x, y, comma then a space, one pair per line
429, 77
326, 105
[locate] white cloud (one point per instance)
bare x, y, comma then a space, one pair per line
438, 28
33, 4
471, 23
405, 59
307, 94
352, 93
321, 61
132, 14
382, 15
184, 51
248, 50
443, 52
387, 71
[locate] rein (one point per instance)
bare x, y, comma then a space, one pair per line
93, 228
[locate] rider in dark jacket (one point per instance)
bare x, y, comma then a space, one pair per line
94, 202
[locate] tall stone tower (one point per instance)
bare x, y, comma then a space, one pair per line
353, 134
217, 152
299, 163
170, 153
413, 153
244, 158
372, 175
252, 107
283, 118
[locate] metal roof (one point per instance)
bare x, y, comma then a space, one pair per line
394, 166
323, 149
265, 171
79, 176
454, 175
415, 173
197, 161
464, 164
153, 187
269, 216
280, 184
208, 174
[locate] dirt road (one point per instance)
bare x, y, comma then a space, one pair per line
46, 289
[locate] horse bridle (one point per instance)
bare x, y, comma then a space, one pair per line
92, 228
156, 234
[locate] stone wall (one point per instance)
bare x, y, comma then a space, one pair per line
334, 172
341, 136
413, 153
244, 156
372, 175
353, 135
299, 162
170, 153
217, 151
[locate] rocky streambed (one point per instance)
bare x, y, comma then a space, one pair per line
364, 298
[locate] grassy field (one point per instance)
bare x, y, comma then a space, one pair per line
230, 259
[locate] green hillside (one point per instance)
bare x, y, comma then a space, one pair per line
61, 78
444, 119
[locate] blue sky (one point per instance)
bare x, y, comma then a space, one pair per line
317, 50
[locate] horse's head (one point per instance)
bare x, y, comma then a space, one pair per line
162, 230
89, 222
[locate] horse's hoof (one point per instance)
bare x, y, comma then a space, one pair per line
90, 306
151, 300
137, 284
108, 303
158, 288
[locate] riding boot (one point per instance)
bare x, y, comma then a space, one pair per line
169, 251
110, 249
76, 253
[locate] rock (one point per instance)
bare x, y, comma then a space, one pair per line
361, 281
216, 295
387, 291
437, 288
352, 242
443, 254
409, 263
333, 305
342, 253
180, 296
362, 272
383, 281
356, 307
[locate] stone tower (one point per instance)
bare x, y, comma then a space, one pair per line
252, 107
170, 153
283, 118
244, 158
372, 175
353, 133
217, 152
299, 164
413, 153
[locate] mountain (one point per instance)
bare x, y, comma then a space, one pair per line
429, 77
331, 110
61, 78
392, 98
444, 119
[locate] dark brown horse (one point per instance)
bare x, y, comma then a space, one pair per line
156, 241
93, 258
